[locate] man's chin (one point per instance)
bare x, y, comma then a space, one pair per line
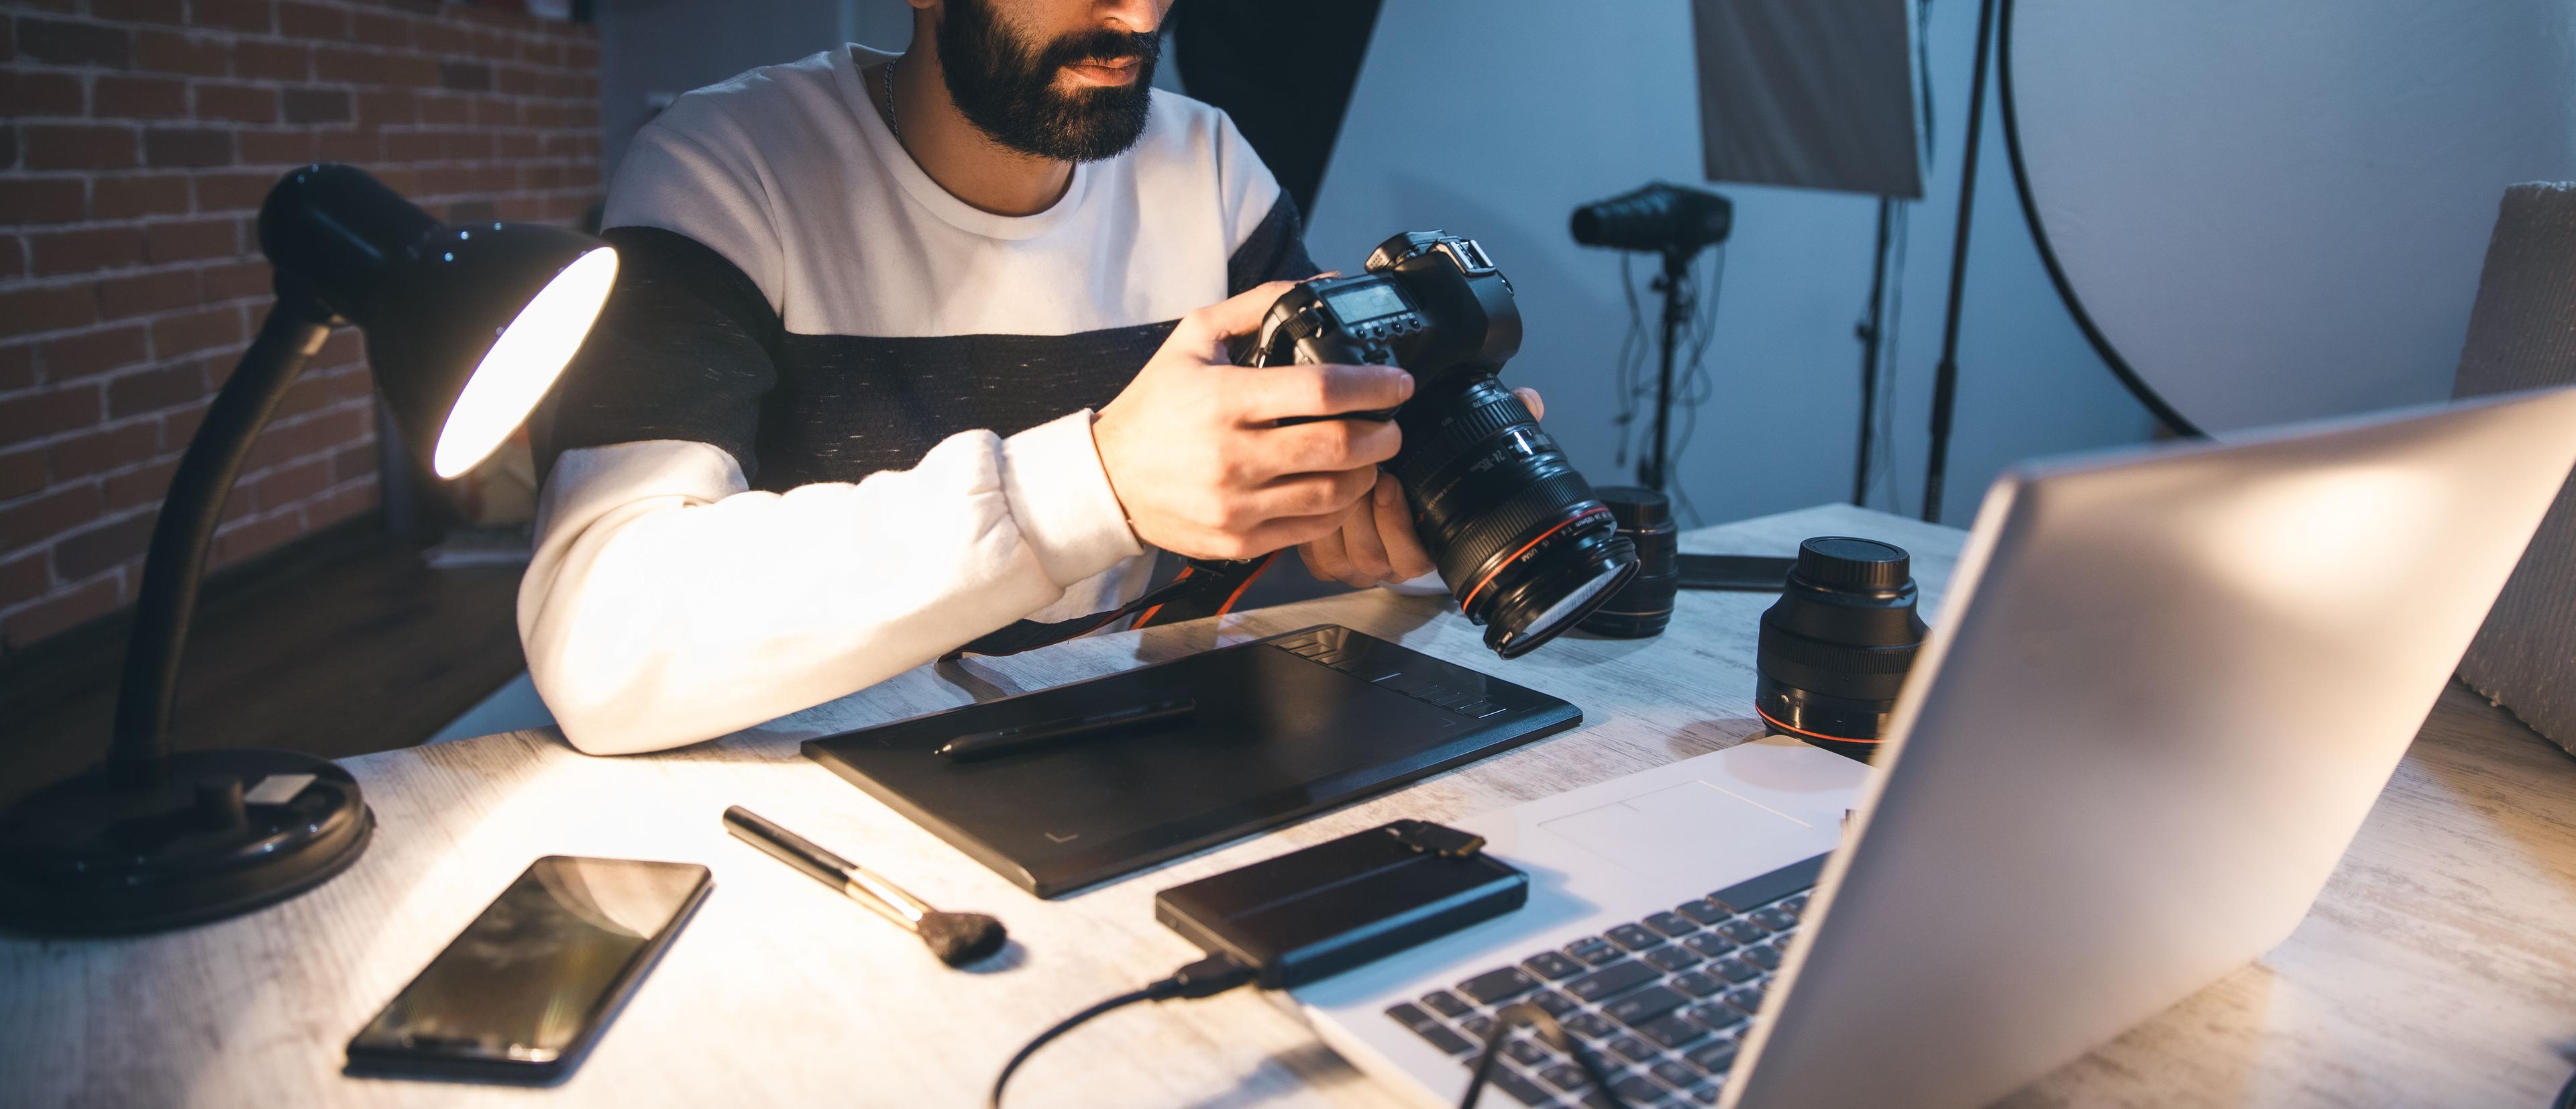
1085, 124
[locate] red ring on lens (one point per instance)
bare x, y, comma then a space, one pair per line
1469, 602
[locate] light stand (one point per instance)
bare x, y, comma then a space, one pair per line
1828, 96
1677, 223
1868, 333
1945, 377
1673, 283
467, 327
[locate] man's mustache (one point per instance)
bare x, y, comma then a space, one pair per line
1102, 45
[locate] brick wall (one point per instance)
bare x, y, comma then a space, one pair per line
137, 138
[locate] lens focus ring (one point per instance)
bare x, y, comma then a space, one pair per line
1511, 525
1789, 646
1429, 447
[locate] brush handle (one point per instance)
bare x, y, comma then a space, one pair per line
886, 897
790, 848
856, 882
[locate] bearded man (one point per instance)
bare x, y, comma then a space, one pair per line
906, 348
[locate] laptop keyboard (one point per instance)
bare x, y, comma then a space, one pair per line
1661, 1003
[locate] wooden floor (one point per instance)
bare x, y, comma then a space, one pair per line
344, 644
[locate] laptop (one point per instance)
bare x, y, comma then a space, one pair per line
2166, 688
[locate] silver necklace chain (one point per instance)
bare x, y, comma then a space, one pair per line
891, 125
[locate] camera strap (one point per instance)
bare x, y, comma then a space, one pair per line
1203, 588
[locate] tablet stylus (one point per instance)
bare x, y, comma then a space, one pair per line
981, 745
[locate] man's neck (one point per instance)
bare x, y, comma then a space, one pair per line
955, 153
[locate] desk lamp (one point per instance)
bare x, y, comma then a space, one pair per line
467, 326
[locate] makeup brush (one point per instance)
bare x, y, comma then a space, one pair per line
957, 938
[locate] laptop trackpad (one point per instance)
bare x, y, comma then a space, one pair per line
1689, 827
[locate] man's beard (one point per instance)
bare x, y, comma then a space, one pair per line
1005, 86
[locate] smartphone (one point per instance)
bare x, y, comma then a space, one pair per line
522, 994
1748, 572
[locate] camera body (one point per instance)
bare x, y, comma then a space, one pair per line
1519, 537
1429, 302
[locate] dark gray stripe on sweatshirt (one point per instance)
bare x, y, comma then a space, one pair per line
688, 348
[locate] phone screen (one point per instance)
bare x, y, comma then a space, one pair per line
535, 977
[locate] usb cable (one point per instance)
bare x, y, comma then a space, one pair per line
1204, 978
1511, 1017
1216, 974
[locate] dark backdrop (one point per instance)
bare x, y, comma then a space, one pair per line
1283, 71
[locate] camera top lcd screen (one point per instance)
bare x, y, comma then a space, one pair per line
1366, 302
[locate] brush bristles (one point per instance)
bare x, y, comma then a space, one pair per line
961, 938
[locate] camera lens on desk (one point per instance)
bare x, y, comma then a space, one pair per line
1645, 605
1834, 650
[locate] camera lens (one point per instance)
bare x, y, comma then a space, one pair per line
1835, 648
1526, 548
1645, 605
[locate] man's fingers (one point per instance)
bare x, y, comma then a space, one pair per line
1279, 392
1309, 494
1292, 531
1324, 557
1325, 446
1405, 558
1529, 396
1360, 540
1239, 314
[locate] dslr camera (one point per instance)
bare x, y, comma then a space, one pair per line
1523, 544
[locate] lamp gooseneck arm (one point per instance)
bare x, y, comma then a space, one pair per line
176, 560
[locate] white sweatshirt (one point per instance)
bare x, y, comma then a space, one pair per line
835, 422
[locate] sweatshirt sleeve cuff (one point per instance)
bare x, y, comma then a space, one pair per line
1061, 498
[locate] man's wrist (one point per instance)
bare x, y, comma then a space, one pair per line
1061, 496
1092, 423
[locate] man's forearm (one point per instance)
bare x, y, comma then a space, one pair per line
667, 605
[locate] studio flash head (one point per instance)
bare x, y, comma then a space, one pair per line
1519, 537
1656, 217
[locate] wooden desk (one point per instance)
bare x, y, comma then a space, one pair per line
2438, 969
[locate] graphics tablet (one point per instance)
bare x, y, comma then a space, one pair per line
1284, 727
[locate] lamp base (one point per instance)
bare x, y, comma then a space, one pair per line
215, 834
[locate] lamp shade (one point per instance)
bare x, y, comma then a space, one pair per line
467, 325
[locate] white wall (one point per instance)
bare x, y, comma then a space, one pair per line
1494, 118
2278, 211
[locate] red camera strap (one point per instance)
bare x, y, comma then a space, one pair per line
1201, 589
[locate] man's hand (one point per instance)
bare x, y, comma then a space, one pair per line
1194, 457
1376, 544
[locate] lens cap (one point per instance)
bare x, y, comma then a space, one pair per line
1844, 562
1636, 507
